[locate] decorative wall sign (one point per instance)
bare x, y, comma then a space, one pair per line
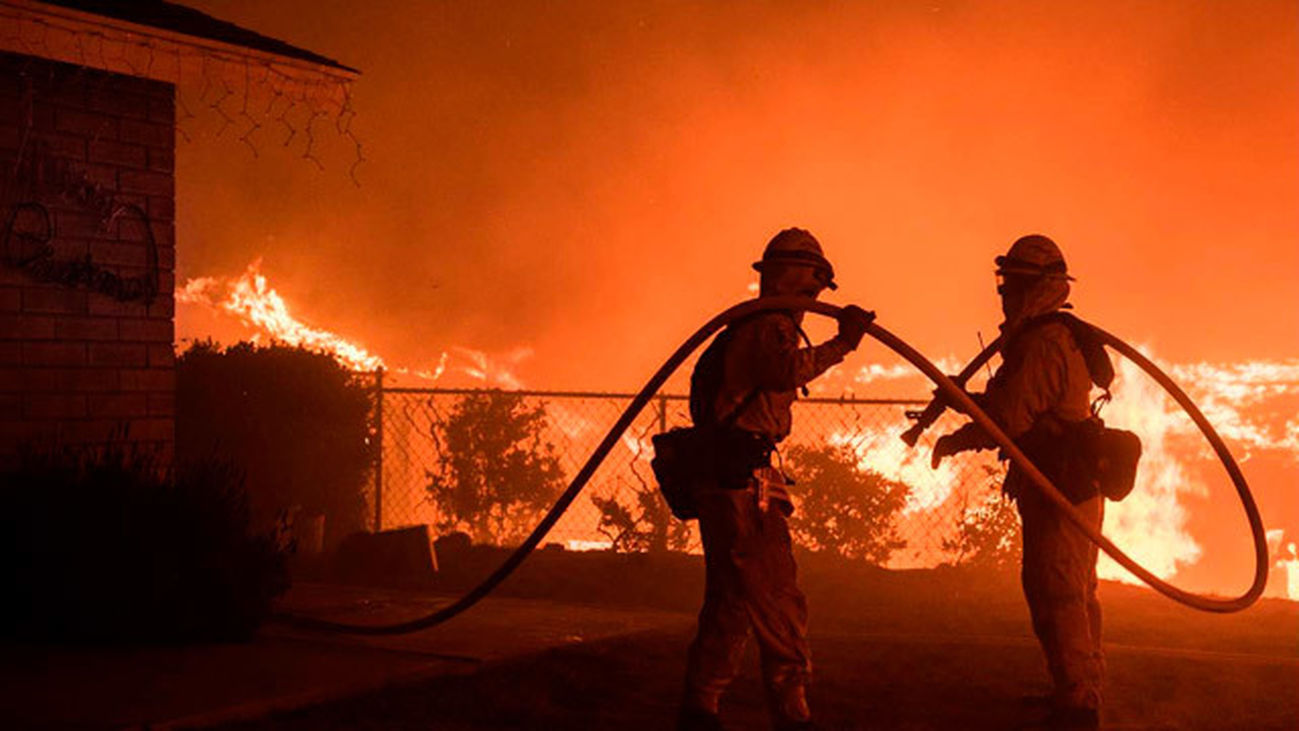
26, 241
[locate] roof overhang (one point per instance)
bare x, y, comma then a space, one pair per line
110, 44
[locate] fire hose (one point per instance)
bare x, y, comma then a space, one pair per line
949, 392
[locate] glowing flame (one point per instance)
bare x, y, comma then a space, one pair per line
1224, 392
1284, 576
251, 300
877, 449
875, 372
1290, 567
257, 305
1150, 524
479, 366
577, 544
1253, 404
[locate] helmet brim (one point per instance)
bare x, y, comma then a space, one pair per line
1007, 265
829, 284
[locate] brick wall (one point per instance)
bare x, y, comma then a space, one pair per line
81, 359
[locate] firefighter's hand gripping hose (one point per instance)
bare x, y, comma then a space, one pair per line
948, 389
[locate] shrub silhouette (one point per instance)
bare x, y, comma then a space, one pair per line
296, 422
496, 473
647, 525
101, 545
988, 533
842, 509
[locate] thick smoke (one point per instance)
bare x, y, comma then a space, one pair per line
588, 181
592, 179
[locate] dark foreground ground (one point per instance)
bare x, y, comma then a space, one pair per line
914, 650
597, 642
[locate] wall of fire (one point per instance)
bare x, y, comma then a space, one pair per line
88, 252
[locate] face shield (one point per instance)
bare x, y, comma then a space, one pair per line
793, 279
825, 277
1025, 295
1009, 283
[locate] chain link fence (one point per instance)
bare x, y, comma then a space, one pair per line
489, 462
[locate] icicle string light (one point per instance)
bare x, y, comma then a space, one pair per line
244, 90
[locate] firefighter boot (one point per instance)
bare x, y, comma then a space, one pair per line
1068, 718
698, 719
788, 705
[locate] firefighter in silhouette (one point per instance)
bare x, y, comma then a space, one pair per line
1040, 392
745, 384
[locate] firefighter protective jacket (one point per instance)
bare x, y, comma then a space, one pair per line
764, 355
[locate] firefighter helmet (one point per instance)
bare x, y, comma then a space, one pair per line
795, 246
1033, 256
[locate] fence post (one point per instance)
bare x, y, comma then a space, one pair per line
378, 449
663, 414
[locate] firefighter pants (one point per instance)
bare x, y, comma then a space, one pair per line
1059, 578
750, 583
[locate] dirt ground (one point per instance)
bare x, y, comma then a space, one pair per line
893, 650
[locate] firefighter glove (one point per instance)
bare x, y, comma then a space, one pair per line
853, 322
965, 438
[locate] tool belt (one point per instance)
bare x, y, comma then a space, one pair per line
723, 457
1083, 458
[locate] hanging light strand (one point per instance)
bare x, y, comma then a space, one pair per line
264, 88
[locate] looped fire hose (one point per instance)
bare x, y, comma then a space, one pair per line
949, 390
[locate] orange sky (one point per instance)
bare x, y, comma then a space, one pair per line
592, 179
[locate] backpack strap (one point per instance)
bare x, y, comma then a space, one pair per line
1098, 361
1099, 367
701, 409
731, 418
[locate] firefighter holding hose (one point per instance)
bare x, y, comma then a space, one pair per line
744, 387
1040, 392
